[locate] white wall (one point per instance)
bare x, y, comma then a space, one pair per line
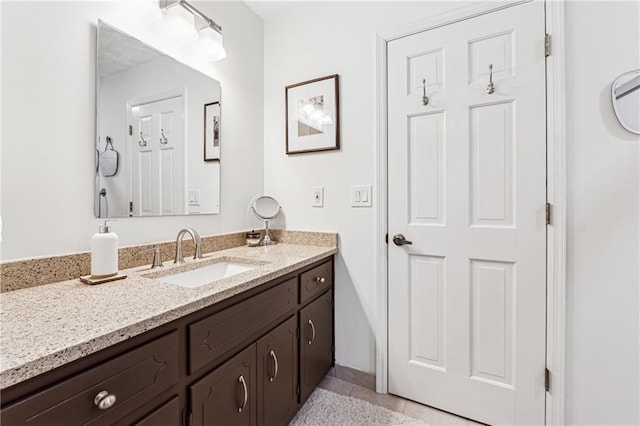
603, 41
304, 41
48, 117
309, 40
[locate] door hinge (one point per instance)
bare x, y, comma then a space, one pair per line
547, 45
130, 130
386, 238
547, 380
298, 333
130, 208
298, 390
547, 213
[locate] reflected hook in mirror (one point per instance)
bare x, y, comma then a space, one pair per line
142, 141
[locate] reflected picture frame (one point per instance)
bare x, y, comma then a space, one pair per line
212, 131
312, 110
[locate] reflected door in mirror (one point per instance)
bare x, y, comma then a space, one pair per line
158, 149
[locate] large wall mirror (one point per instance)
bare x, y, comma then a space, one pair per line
155, 117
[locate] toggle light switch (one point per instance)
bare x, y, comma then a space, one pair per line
317, 194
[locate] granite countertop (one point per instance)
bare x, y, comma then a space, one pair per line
48, 326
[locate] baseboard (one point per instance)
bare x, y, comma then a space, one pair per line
353, 376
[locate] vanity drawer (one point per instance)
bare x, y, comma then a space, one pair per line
133, 378
218, 335
315, 281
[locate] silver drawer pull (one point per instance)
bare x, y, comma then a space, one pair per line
246, 394
320, 280
313, 332
272, 354
104, 400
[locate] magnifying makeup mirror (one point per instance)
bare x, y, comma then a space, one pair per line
625, 96
266, 208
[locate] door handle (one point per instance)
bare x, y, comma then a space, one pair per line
400, 240
245, 393
272, 354
313, 332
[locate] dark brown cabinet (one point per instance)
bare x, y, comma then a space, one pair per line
103, 394
251, 359
216, 337
316, 343
167, 414
227, 396
278, 374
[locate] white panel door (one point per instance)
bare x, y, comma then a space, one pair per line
467, 186
158, 180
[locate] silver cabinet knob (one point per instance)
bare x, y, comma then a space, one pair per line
320, 280
104, 400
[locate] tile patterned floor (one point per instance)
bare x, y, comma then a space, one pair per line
421, 412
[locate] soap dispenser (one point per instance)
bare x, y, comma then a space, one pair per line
104, 253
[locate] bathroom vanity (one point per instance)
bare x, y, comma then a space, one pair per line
247, 350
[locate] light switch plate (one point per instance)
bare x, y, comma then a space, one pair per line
194, 197
317, 196
361, 196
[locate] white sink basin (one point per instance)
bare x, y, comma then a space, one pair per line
206, 274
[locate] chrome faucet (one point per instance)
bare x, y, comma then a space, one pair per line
196, 239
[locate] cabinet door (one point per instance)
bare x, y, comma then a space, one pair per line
278, 374
227, 396
167, 414
222, 334
316, 343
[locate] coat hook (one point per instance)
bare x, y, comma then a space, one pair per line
109, 144
142, 141
490, 87
425, 98
163, 138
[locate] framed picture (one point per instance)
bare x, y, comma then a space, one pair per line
212, 131
312, 115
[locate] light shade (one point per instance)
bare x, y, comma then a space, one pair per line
178, 26
209, 45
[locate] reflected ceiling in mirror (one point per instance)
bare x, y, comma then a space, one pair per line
151, 130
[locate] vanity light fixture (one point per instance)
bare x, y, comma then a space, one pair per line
205, 31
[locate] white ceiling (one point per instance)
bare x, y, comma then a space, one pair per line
268, 9
119, 52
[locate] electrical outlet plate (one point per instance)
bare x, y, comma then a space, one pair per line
317, 196
361, 196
